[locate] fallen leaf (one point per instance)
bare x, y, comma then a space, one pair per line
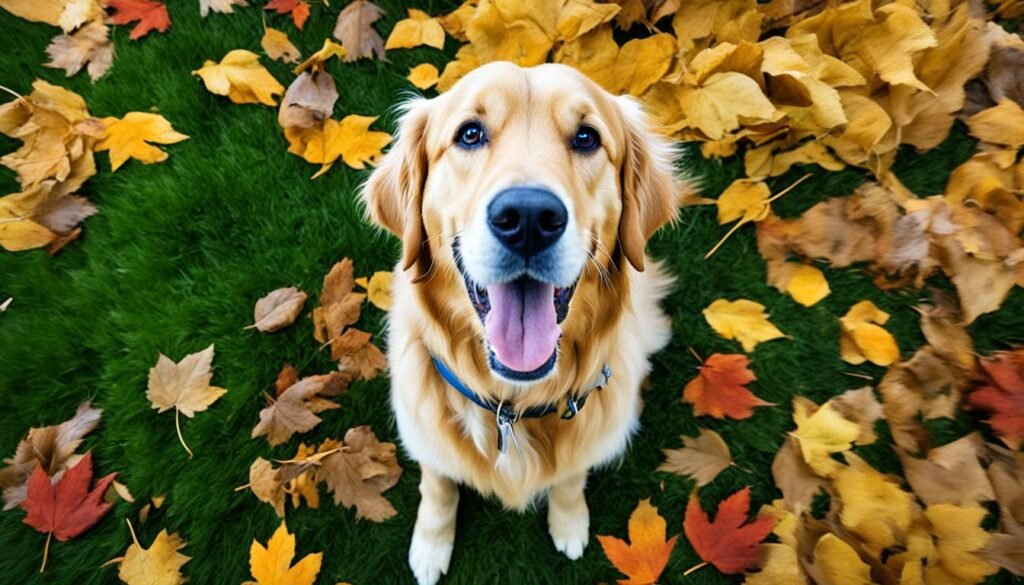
1002, 395
42, 215
419, 29
160, 564
837, 563
951, 474
266, 485
130, 137
240, 77
795, 479
221, 6
339, 306
742, 320
578, 17
50, 448
861, 407
354, 29
701, 458
423, 76
716, 107
150, 15
720, 390
360, 473
730, 543
745, 199
183, 386
643, 559
316, 60
67, 508
278, 309
349, 139
779, 566
1006, 551
88, 47
295, 409
298, 9
47, 11
821, 433
309, 100
378, 288
1001, 124
959, 540
277, 46
874, 507
807, 285
863, 338
356, 355
272, 565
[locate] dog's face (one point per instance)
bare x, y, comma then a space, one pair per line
527, 177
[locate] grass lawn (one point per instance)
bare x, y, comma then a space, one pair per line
181, 250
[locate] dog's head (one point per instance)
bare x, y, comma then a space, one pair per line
523, 185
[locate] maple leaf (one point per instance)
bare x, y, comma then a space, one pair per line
863, 338
419, 29
742, 320
354, 29
309, 100
240, 77
183, 386
644, 557
730, 543
361, 472
150, 14
356, 355
68, 508
130, 137
349, 139
701, 458
378, 288
89, 47
277, 46
1002, 394
720, 389
278, 309
339, 306
423, 76
221, 6
160, 564
50, 448
298, 9
296, 407
272, 565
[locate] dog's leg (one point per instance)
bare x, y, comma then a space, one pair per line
569, 517
434, 534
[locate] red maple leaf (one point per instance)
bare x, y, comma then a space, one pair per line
1003, 395
720, 388
298, 9
727, 543
68, 508
150, 14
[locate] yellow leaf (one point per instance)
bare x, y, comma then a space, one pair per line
277, 46
779, 566
317, 60
273, 565
807, 286
418, 29
742, 320
873, 507
959, 540
47, 11
863, 338
579, 17
130, 136
822, 433
183, 386
890, 46
1000, 124
717, 106
510, 32
836, 563
642, 62
240, 77
350, 139
745, 199
378, 290
160, 564
423, 76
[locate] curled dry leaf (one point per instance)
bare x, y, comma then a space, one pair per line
339, 306
701, 458
295, 409
309, 100
87, 47
360, 473
354, 29
644, 557
241, 78
357, 356
278, 309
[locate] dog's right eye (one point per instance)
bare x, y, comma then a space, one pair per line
470, 135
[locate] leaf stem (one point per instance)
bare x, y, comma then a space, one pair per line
177, 427
740, 467
132, 530
46, 551
694, 568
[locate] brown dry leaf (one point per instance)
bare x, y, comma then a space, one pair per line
357, 356
951, 474
339, 306
5, 304
279, 47
278, 309
1006, 551
43, 215
51, 447
701, 458
265, 485
354, 29
88, 47
183, 386
419, 29
798, 483
309, 101
861, 407
360, 473
863, 338
220, 6
295, 409
240, 77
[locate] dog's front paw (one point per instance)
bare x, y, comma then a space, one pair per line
570, 532
429, 558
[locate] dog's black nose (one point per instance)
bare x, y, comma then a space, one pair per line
527, 219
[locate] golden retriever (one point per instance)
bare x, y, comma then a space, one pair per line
524, 199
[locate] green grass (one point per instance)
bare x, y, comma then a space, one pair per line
181, 250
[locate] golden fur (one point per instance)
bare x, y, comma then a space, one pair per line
426, 191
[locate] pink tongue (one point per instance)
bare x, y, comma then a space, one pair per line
521, 325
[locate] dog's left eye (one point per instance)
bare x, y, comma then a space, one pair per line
586, 139
470, 135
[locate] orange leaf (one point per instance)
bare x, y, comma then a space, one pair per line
1003, 396
720, 389
149, 14
727, 543
297, 8
647, 553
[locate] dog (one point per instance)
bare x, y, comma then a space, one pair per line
524, 308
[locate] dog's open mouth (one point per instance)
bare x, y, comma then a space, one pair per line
521, 320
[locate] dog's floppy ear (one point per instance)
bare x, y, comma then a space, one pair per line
650, 192
394, 192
